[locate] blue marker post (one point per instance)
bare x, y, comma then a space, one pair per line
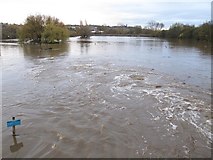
14, 123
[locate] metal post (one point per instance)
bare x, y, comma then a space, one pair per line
14, 129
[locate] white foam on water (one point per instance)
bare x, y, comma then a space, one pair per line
121, 84
53, 146
60, 136
181, 109
174, 127
157, 118
177, 107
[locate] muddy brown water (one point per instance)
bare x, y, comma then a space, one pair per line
120, 97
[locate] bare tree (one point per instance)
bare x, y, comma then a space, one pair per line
153, 25
84, 30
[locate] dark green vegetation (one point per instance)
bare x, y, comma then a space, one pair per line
43, 29
9, 31
181, 31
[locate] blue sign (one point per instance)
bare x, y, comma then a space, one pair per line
14, 123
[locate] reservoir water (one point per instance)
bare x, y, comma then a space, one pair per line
120, 97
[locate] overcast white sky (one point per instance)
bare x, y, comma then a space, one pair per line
109, 12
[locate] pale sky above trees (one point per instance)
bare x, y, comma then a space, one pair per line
109, 12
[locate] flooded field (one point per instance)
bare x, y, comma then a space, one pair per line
120, 97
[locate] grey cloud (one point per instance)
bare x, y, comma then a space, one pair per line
166, 12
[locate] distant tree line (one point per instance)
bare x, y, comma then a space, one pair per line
181, 31
9, 31
46, 29
155, 29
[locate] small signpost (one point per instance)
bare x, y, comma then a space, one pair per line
16, 146
14, 123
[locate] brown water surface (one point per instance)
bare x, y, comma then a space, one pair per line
113, 97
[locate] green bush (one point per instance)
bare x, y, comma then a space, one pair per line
43, 29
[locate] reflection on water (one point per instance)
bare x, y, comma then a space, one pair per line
16, 146
45, 50
84, 44
203, 46
155, 42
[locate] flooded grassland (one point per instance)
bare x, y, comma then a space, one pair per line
109, 97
